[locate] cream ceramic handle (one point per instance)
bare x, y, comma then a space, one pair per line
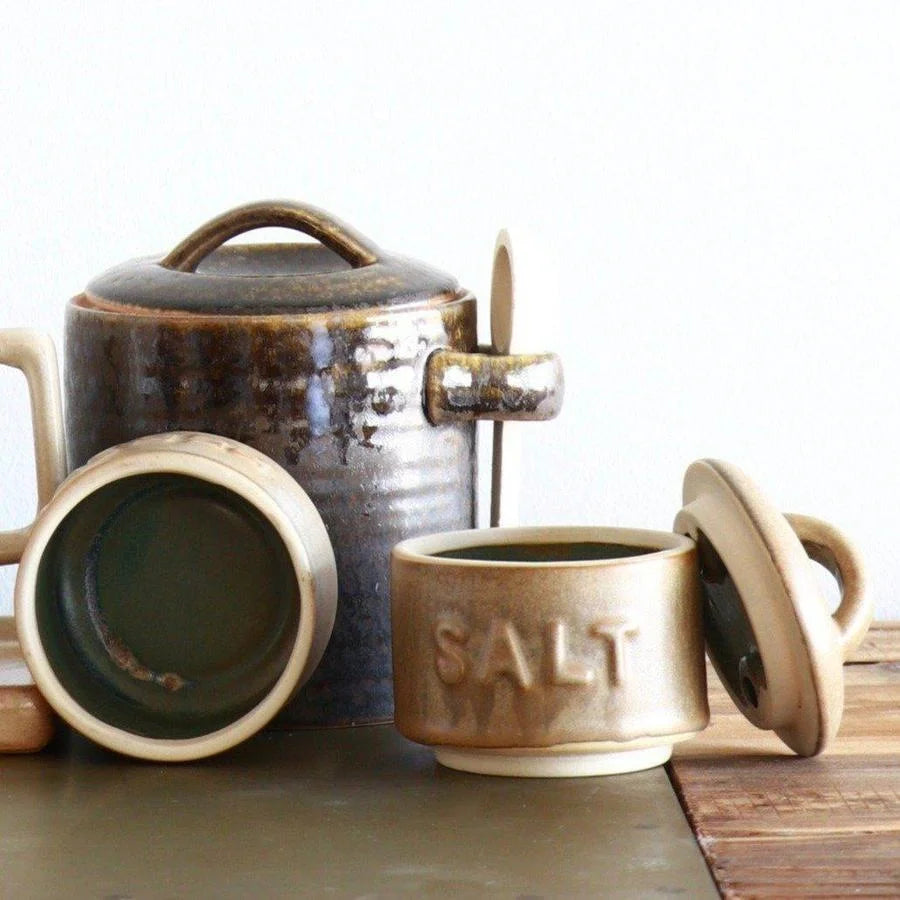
331, 231
33, 353
830, 548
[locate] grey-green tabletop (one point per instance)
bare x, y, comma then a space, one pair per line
340, 813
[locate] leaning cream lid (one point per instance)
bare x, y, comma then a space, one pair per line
769, 633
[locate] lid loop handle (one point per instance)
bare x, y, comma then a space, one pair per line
827, 546
337, 236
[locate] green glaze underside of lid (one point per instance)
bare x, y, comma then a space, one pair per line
261, 279
731, 641
167, 606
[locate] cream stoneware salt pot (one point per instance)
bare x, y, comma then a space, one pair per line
174, 592
548, 651
580, 651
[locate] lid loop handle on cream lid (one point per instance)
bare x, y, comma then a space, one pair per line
33, 353
830, 548
336, 235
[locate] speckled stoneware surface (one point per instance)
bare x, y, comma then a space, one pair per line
334, 360
548, 651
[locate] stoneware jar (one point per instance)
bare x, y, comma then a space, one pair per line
174, 592
580, 651
358, 371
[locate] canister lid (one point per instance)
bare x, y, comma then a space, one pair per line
769, 634
345, 269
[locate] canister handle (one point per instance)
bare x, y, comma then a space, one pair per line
462, 387
336, 235
33, 353
830, 548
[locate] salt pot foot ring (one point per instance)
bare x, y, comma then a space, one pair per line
548, 651
568, 761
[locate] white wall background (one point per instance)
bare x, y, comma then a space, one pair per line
725, 183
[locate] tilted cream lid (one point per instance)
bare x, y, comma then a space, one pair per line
769, 633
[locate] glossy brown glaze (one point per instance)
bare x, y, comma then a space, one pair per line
336, 398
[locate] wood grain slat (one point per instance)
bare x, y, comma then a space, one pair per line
820, 867
773, 825
881, 644
871, 718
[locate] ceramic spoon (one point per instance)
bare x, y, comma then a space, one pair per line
523, 306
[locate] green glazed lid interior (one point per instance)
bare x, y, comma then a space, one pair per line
167, 606
731, 641
341, 269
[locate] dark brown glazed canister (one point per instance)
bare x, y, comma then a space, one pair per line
356, 369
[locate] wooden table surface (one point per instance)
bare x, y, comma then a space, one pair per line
773, 825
